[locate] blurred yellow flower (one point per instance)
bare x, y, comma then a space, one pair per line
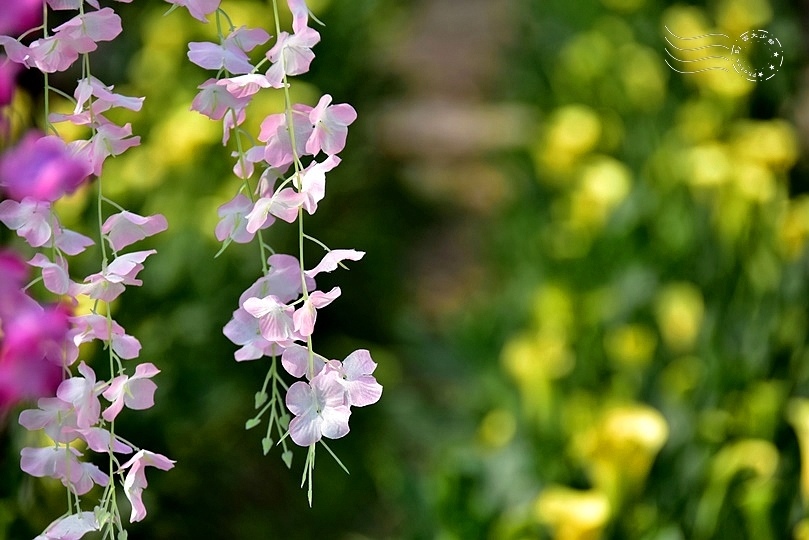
630, 345
795, 227
620, 449
798, 417
573, 130
679, 309
573, 514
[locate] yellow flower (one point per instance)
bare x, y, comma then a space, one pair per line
573, 514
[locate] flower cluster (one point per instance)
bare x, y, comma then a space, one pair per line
277, 314
38, 343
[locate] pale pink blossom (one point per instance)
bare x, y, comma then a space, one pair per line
136, 392
333, 258
55, 416
306, 315
62, 463
274, 131
295, 360
199, 9
243, 330
126, 228
291, 55
54, 274
244, 86
312, 183
81, 392
231, 54
233, 221
319, 409
283, 280
69, 242
300, 14
108, 284
71, 527
30, 218
92, 326
101, 25
330, 126
283, 204
214, 100
354, 374
135, 481
101, 440
105, 97
274, 317
109, 140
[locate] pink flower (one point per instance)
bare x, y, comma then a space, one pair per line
283, 280
306, 315
71, 527
233, 222
136, 392
300, 14
30, 218
243, 330
199, 9
32, 339
333, 258
82, 394
291, 55
92, 326
56, 416
313, 182
278, 152
18, 16
109, 140
274, 317
41, 168
108, 284
331, 126
101, 25
214, 100
105, 97
135, 481
355, 376
244, 86
126, 228
54, 274
283, 204
231, 54
62, 463
295, 360
319, 409
8, 80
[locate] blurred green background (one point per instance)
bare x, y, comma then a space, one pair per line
585, 282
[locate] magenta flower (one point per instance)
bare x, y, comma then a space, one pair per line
32, 339
125, 228
135, 481
8, 80
136, 392
41, 168
319, 409
71, 527
18, 16
331, 126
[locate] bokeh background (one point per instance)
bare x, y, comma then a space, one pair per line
585, 282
